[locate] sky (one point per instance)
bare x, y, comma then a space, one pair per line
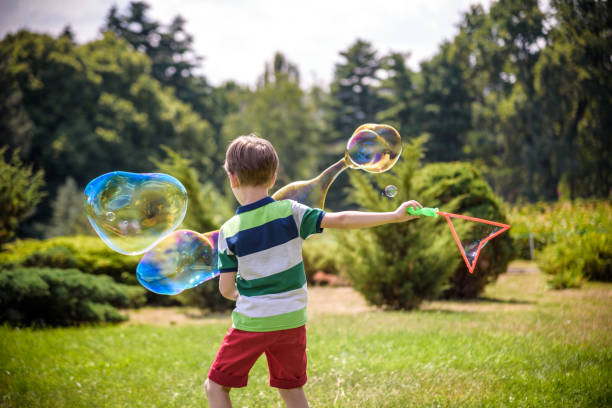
237, 37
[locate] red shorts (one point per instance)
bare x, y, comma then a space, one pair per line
285, 351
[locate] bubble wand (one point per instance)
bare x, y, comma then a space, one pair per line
470, 255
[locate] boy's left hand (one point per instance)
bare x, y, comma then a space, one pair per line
402, 211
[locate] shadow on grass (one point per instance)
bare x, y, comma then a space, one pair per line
470, 306
504, 301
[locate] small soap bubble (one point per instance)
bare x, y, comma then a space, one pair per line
131, 212
391, 191
182, 260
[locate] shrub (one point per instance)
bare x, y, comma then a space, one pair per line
204, 296
571, 260
46, 296
399, 265
88, 254
396, 266
574, 239
20, 193
460, 188
320, 253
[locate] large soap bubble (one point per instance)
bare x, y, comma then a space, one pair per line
374, 148
131, 212
182, 260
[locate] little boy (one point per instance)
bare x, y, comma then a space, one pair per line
260, 260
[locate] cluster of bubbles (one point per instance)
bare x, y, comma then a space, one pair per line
137, 213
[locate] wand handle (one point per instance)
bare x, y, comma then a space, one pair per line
428, 212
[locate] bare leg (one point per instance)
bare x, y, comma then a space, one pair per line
218, 395
294, 397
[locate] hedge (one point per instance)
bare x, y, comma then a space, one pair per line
51, 296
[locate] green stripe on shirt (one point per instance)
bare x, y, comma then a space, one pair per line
290, 279
257, 217
283, 321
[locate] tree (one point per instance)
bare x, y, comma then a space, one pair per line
354, 95
68, 215
20, 192
398, 91
94, 108
444, 110
207, 208
170, 48
279, 112
574, 87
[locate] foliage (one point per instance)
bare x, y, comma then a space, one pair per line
205, 296
396, 265
461, 189
86, 253
19, 193
279, 112
46, 296
572, 239
95, 108
68, 217
208, 209
399, 265
320, 253
90, 255
170, 48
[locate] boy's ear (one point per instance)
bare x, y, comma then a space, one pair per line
272, 182
234, 182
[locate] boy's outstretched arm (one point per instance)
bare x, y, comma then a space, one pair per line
360, 219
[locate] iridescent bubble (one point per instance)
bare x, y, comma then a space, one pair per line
391, 191
373, 148
131, 212
471, 249
182, 260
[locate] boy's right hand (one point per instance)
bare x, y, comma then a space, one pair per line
402, 211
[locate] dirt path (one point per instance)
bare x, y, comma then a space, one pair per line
321, 300
523, 281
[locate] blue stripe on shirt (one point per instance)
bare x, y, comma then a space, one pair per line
263, 237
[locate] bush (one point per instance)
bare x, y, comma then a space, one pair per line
20, 193
320, 253
396, 266
574, 239
91, 255
461, 189
399, 265
205, 296
46, 296
88, 254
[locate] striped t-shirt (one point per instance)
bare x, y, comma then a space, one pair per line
263, 244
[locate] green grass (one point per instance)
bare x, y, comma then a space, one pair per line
521, 345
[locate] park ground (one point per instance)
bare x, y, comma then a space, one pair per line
520, 344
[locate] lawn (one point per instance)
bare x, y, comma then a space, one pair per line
519, 345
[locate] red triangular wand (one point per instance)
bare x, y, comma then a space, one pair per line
433, 212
